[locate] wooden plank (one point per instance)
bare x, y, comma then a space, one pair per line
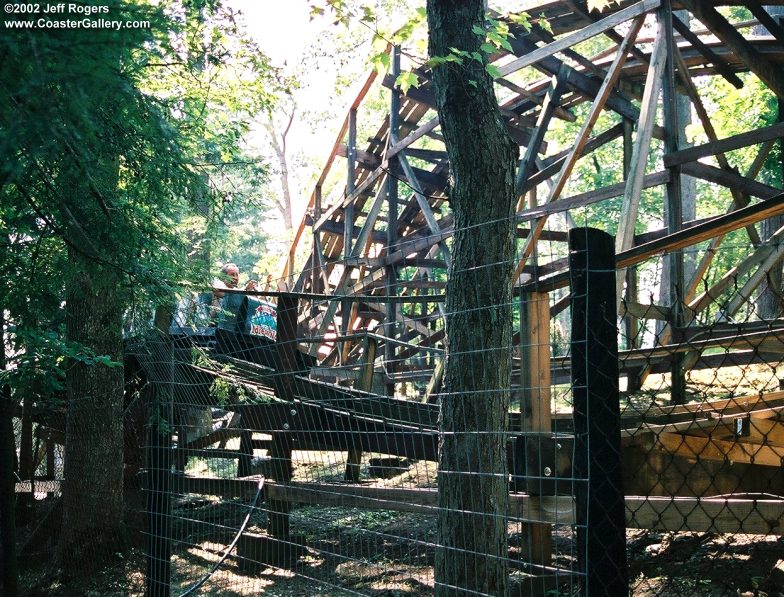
705, 515
640, 150
581, 35
691, 154
729, 179
536, 402
713, 227
715, 450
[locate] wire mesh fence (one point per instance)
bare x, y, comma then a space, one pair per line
265, 450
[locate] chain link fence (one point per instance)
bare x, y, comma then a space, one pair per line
267, 450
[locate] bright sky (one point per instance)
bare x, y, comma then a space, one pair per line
283, 29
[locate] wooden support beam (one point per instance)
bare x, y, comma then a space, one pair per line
738, 199
730, 180
756, 260
424, 205
582, 137
771, 74
716, 450
773, 257
288, 270
766, 19
413, 137
691, 154
582, 84
610, 33
674, 209
536, 398
640, 149
365, 384
696, 234
552, 164
567, 41
557, 88
718, 62
528, 96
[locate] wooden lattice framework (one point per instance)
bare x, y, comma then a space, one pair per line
393, 211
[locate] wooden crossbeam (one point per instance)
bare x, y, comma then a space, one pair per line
718, 62
768, 72
696, 234
757, 259
716, 450
691, 154
730, 179
581, 35
582, 137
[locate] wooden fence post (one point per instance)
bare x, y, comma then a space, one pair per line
365, 384
601, 530
280, 450
535, 403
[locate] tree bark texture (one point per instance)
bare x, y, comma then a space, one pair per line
92, 528
473, 487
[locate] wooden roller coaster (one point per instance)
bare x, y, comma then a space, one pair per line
356, 366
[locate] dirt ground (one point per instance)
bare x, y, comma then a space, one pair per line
384, 553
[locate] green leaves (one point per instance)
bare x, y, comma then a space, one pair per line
406, 80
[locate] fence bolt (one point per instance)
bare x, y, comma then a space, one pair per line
293, 413
285, 425
548, 471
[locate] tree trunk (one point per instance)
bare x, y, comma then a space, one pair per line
92, 528
279, 147
473, 488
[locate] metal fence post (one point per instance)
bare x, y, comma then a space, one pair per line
601, 532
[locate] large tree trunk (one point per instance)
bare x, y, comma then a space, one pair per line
92, 528
473, 488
